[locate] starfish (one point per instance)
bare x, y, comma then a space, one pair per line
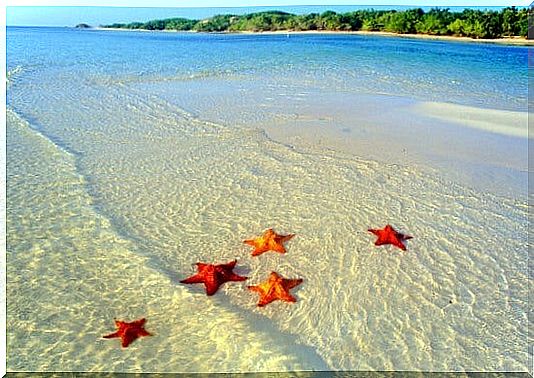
213, 276
388, 235
128, 332
269, 241
275, 288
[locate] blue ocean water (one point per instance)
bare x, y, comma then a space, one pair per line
483, 75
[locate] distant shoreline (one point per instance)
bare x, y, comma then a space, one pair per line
519, 41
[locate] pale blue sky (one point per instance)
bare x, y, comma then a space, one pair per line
96, 12
242, 3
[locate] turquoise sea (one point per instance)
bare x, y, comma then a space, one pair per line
485, 75
133, 155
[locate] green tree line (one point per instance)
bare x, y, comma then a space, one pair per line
507, 22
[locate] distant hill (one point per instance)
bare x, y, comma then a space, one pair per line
83, 26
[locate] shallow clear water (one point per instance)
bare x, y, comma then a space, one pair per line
485, 75
118, 183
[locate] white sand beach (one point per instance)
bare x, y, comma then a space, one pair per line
520, 41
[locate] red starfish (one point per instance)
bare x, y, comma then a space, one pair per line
213, 276
389, 236
269, 241
275, 288
128, 332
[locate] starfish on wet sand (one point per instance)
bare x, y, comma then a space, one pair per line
213, 276
388, 235
276, 287
128, 332
269, 241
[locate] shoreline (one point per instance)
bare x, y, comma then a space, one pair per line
516, 41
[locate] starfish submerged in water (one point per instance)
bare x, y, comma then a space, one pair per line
269, 241
276, 287
388, 235
213, 276
128, 332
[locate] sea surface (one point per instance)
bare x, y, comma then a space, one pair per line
133, 155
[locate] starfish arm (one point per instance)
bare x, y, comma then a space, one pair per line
112, 335
254, 288
380, 242
292, 283
236, 277
201, 266
288, 298
193, 279
278, 248
376, 232
398, 243
211, 287
251, 242
287, 237
265, 300
258, 251
144, 332
139, 323
127, 339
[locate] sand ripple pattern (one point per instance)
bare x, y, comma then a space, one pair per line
177, 190
70, 274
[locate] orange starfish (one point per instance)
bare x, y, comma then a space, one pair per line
275, 288
269, 241
128, 332
213, 276
388, 235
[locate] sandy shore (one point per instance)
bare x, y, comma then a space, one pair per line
505, 41
445, 304
511, 41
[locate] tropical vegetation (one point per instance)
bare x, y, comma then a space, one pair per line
509, 21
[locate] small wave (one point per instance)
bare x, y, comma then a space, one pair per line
157, 77
11, 74
14, 71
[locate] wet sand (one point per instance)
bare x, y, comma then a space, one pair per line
520, 41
